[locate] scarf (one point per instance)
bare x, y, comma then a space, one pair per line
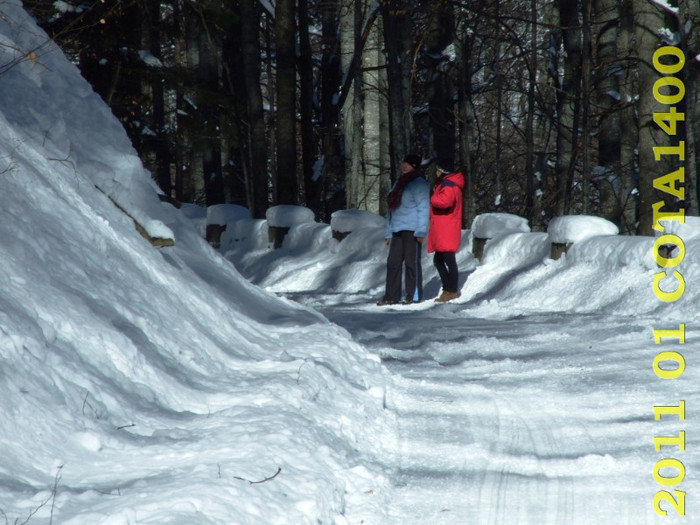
394, 198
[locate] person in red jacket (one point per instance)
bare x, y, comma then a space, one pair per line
445, 232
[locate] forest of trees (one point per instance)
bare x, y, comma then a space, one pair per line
550, 107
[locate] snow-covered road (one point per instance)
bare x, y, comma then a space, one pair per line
540, 419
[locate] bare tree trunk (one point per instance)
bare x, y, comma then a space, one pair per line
649, 20
256, 141
499, 109
531, 210
689, 18
190, 178
628, 123
464, 46
285, 114
363, 108
208, 111
568, 105
350, 32
155, 152
331, 78
585, 98
441, 101
306, 110
372, 187
606, 14
397, 42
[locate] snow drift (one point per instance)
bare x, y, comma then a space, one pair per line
157, 385
142, 384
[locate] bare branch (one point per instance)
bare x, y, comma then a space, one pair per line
279, 469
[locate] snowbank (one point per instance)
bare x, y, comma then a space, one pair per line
144, 385
689, 230
38, 98
602, 272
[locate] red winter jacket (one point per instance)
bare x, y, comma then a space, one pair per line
446, 214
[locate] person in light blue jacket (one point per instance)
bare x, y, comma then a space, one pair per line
407, 224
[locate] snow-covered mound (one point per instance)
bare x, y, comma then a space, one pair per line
346, 221
147, 385
690, 229
490, 225
224, 213
602, 271
287, 215
576, 228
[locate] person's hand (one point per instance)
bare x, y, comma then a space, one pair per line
387, 241
420, 239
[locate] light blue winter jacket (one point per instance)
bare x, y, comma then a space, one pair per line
414, 212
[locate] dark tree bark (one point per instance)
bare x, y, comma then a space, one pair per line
306, 108
606, 14
689, 22
331, 79
440, 87
649, 17
285, 114
255, 140
397, 38
209, 94
628, 121
568, 103
464, 48
156, 145
531, 182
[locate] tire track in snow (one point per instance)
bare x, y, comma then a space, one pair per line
479, 442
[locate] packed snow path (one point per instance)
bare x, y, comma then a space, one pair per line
540, 419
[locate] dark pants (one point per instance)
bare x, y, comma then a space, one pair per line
446, 264
404, 248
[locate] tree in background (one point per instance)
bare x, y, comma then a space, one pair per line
546, 106
689, 26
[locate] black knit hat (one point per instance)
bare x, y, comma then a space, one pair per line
413, 160
445, 166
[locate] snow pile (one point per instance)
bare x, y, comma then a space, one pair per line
346, 221
576, 228
99, 148
222, 214
686, 231
601, 272
491, 225
144, 385
287, 215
